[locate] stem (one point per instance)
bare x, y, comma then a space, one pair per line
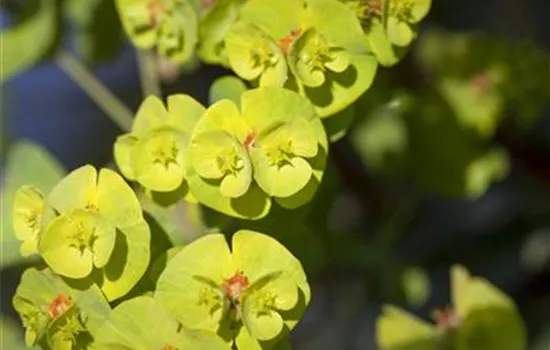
96, 90
149, 78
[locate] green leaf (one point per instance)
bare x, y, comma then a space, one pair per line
397, 329
227, 87
27, 163
142, 324
38, 20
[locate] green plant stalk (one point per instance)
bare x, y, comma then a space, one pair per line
150, 83
96, 90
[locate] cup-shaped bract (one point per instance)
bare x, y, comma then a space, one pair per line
169, 25
324, 47
276, 139
397, 329
289, 145
143, 323
213, 28
253, 54
390, 26
84, 238
482, 317
54, 313
254, 293
218, 155
153, 153
100, 229
489, 319
310, 55
31, 214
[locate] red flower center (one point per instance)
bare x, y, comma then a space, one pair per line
59, 305
234, 286
288, 40
446, 319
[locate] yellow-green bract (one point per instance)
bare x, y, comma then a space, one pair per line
30, 215
100, 234
55, 314
215, 21
482, 318
153, 153
170, 26
315, 47
275, 146
390, 26
142, 323
251, 295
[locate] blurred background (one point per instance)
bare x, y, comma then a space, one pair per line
403, 199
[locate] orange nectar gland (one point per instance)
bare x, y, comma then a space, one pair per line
59, 306
481, 83
446, 319
156, 9
234, 286
208, 3
373, 8
285, 42
250, 140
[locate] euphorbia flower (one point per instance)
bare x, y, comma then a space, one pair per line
242, 293
253, 54
169, 25
55, 314
31, 213
143, 323
310, 55
100, 225
153, 153
481, 318
275, 139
